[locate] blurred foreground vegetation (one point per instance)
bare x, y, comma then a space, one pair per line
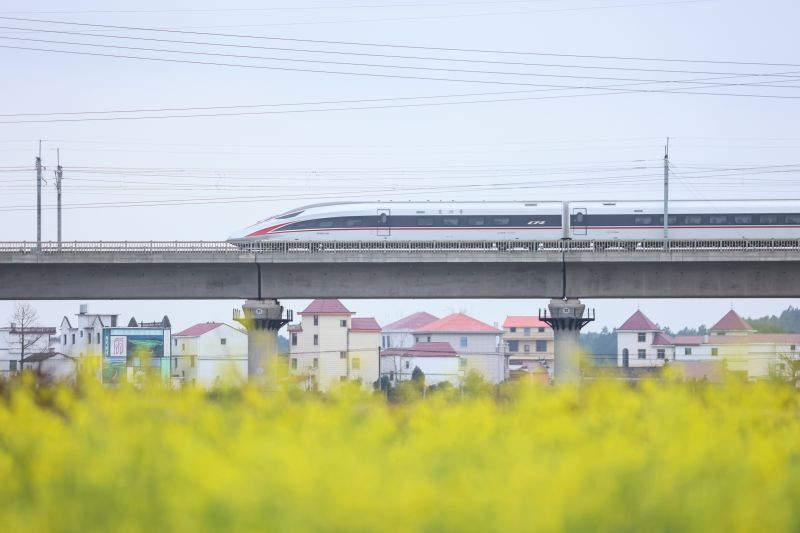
654, 457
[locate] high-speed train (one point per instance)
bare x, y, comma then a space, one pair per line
529, 221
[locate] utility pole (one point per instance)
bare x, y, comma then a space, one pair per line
39, 198
59, 175
666, 190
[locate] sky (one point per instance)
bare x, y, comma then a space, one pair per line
462, 100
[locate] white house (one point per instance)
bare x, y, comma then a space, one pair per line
400, 334
437, 360
330, 346
52, 365
209, 353
731, 341
83, 335
477, 344
35, 340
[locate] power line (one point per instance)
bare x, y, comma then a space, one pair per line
434, 69
410, 47
386, 56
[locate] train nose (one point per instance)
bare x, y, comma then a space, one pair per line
240, 235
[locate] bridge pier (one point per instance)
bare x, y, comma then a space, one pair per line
567, 316
262, 319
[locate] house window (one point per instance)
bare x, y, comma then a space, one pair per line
342, 355
527, 348
98, 337
316, 362
642, 354
355, 363
175, 342
223, 341
462, 342
429, 338
462, 362
12, 366
541, 330
714, 351
316, 340
416, 339
642, 337
90, 338
512, 330
526, 331
687, 351
294, 363
792, 348
661, 353
191, 361
183, 346
65, 339
513, 346
294, 339
73, 338
174, 362
316, 320
407, 365
81, 333
541, 346
343, 323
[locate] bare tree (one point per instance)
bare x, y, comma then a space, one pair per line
25, 325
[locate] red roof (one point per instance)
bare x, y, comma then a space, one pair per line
412, 322
458, 323
688, 340
326, 307
423, 349
294, 327
731, 322
524, 322
756, 338
198, 329
638, 322
662, 339
364, 324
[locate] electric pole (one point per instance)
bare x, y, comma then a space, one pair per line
666, 190
59, 175
39, 198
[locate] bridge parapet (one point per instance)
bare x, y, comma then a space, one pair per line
449, 247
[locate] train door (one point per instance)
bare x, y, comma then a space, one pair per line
383, 225
578, 222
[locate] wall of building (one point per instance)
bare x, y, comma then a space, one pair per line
206, 360
436, 369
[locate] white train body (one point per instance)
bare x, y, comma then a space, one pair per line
527, 221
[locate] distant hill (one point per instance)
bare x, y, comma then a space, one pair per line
787, 322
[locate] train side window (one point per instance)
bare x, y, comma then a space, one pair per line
353, 222
768, 219
742, 219
424, 221
643, 221
715, 220
476, 221
326, 223
793, 219
449, 221
693, 220
500, 221
673, 219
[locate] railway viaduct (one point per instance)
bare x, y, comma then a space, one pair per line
563, 271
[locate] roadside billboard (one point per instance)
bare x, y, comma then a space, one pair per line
132, 353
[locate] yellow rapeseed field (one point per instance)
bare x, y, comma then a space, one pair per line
608, 457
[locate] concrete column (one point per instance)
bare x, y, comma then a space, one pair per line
566, 317
262, 319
